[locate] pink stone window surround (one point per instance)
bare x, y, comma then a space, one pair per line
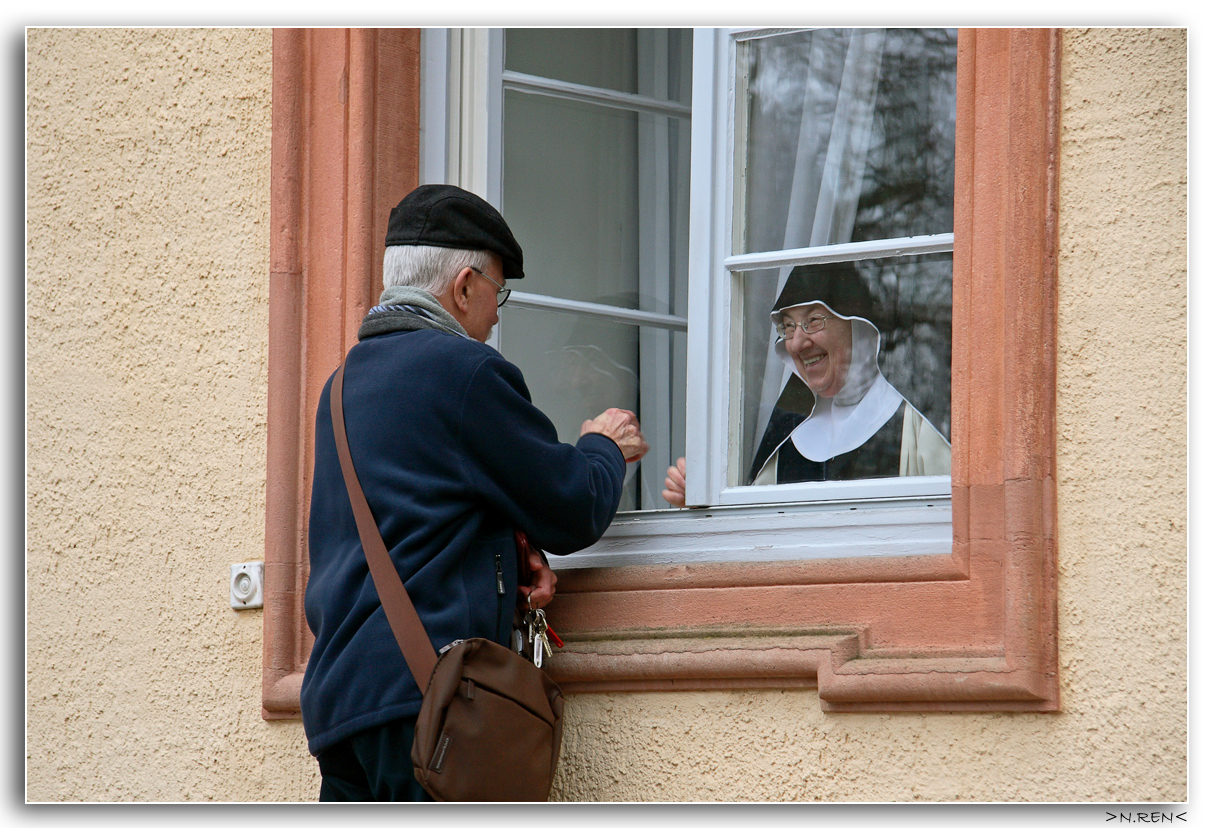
975, 630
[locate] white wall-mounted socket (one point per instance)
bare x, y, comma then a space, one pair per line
246, 585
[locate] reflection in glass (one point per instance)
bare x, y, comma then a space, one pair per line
848, 136
869, 396
576, 367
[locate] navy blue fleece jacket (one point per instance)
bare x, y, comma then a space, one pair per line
452, 457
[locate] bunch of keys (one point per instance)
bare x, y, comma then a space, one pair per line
537, 636
535, 645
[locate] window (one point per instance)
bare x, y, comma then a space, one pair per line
586, 145
731, 595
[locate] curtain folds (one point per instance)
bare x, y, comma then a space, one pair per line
839, 72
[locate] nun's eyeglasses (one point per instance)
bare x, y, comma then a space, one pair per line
810, 324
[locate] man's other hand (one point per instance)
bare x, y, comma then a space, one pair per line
622, 427
675, 492
540, 581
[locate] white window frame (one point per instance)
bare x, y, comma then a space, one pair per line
910, 516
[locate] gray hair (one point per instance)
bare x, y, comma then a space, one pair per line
432, 269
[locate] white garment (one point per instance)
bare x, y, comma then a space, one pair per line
833, 429
924, 450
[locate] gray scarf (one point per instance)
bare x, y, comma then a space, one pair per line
407, 308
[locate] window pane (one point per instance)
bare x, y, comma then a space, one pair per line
846, 135
594, 195
876, 375
577, 367
599, 199
570, 192
604, 58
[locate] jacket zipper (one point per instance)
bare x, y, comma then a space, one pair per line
501, 590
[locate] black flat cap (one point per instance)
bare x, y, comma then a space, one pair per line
442, 215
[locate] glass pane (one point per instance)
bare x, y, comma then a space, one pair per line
604, 58
570, 195
599, 199
577, 180
577, 367
875, 374
846, 135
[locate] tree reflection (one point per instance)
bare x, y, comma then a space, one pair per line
908, 176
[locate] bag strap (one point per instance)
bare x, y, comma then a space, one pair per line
402, 615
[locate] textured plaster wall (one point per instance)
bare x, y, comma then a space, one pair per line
148, 208
1121, 510
148, 253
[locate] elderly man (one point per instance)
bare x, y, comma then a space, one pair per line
452, 457
860, 425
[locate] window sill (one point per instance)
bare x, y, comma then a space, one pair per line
888, 528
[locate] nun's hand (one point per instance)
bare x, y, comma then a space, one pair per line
675, 492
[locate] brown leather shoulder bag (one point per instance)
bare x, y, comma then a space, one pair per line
489, 729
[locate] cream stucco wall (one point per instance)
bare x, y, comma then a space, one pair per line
146, 281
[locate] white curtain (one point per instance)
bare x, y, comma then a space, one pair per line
825, 180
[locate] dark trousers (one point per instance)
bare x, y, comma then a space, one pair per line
373, 765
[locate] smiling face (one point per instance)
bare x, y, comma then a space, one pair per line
821, 358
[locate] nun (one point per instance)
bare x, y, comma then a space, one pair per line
858, 425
